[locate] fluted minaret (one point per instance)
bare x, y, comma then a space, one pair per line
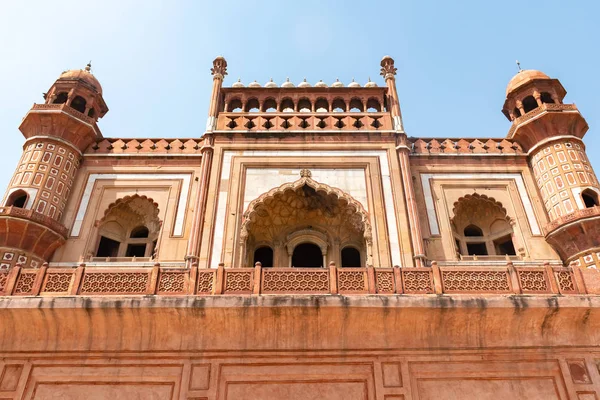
56, 132
551, 132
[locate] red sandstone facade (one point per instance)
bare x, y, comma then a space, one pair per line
304, 247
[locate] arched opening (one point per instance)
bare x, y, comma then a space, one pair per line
529, 103
356, 105
350, 257
547, 98
321, 105
286, 105
481, 227
304, 105
517, 112
139, 232
130, 228
252, 106
590, 198
234, 105
17, 199
61, 98
264, 255
92, 113
269, 105
307, 255
339, 105
79, 104
373, 105
473, 230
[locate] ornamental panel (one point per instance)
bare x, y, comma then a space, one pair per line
295, 280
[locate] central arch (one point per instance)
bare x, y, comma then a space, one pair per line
304, 211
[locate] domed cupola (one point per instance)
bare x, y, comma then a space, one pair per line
80, 90
529, 89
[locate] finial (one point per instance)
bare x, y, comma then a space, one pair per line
219, 69
270, 79
305, 173
287, 79
304, 80
387, 68
369, 79
352, 79
88, 67
519, 66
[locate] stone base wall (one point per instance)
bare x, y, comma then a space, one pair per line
332, 375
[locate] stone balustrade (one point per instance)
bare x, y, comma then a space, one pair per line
465, 146
145, 146
66, 109
157, 280
571, 217
538, 111
303, 122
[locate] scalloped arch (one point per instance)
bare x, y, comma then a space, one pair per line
464, 200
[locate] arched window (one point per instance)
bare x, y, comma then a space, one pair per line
18, 199
269, 105
304, 105
130, 228
307, 255
482, 227
373, 105
356, 105
529, 103
252, 105
517, 112
92, 113
339, 105
321, 105
590, 198
350, 257
547, 98
286, 105
264, 255
234, 105
61, 98
79, 104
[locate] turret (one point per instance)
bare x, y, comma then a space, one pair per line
56, 132
551, 132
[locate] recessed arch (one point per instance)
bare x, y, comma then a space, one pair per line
529, 104
356, 105
304, 105
17, 199
234, 105
338, 105
61, 98
373, 105
252, 105
350, 257
286, 105
264, 255
590, 198
79, 104
321, 105
269, 105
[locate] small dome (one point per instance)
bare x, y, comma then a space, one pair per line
304, 84
337, 83
270, 84
353, 84
523, 77
370, 83
287, 84
238, 84
320, 84
254, 84
83, 75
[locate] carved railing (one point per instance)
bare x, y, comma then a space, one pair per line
574, 216
539, 110
304, 122
66, 109
34, 216
157, 280
146, 146
465, 146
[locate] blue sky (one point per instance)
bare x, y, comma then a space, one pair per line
454, 59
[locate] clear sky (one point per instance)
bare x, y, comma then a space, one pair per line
454, 58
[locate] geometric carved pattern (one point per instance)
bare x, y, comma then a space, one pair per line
384, 281
351, 281
3, 280
115, 282
297, 281
565, 281
417, 281
205, 281
172, 282
534, 281
57, 282
479, 281
238, 281
25, 282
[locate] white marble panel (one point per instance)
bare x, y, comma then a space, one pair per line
92, 178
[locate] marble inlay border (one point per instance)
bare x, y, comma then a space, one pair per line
92, 178
432, 213
388, 199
